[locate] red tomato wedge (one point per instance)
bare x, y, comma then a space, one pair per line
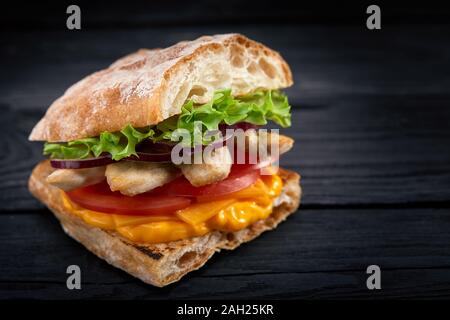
100, 198
240, 177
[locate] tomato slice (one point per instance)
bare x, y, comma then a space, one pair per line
240, 177
173, 196
100, 198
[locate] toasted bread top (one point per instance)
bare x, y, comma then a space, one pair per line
149, 86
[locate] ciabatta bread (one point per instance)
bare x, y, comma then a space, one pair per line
159, 264
149, 86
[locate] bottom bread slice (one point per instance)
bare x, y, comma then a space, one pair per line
164, 263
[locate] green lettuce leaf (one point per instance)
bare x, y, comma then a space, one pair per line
256, 108
119, 145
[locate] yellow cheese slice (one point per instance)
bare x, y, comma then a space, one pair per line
230, 213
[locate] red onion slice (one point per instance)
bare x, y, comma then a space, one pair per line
148, 151
81, 163
150, 157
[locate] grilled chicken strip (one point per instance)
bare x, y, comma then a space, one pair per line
252, 138
132, 178
216, 166
69, 179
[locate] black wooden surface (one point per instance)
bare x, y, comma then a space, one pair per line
371, 123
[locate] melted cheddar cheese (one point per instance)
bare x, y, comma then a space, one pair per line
229, 213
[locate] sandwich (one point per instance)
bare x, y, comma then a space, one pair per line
117, 186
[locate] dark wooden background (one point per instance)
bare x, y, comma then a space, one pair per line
371, 119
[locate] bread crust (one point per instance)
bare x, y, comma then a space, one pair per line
149, 86
157, 264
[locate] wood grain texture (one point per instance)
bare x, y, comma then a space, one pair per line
327, 62
371, 124
358, 151
140, 13
314, 254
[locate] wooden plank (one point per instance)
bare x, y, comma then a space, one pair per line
326, 62
397, 284
314, 254
141, 13
361, 150
368, 131
371, 128
373, 150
